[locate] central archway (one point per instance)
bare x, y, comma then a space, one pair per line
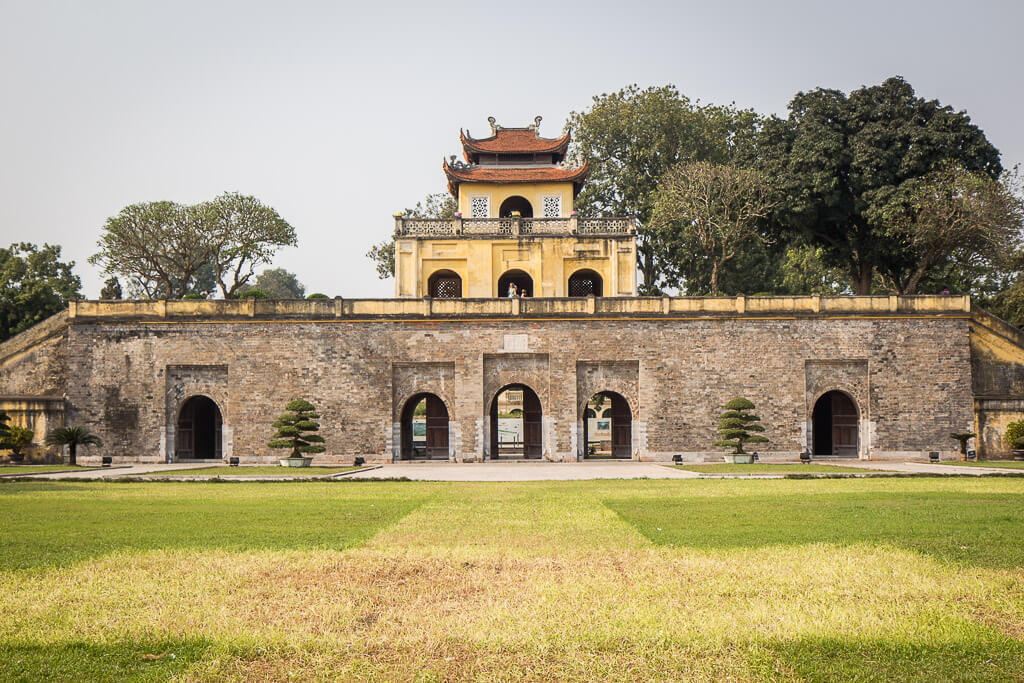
834, 426
516, 203
516, 423
198, 435
585, 282
445, 284
424, 428
521, 280
607, 427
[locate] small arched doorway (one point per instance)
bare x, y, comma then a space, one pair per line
198, 435
516, 203
516, 423
424, 428
607, 427
585, 282
521, 280
834, 426
445, 284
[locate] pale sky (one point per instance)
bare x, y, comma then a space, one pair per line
339, 114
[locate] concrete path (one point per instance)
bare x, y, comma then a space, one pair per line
928, 468
523, 471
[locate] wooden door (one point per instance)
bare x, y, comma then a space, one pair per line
437, 429
622, 429
532, 426
844, 426
184, 437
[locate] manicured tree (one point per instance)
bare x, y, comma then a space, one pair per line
736, 424
16, 439
293, 429
963, 438
1014, 434
72, 437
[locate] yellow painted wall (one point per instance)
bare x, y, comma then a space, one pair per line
549, 261
499, 192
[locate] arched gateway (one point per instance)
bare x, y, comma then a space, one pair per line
198, 434
424, 428
834, 425
516, 422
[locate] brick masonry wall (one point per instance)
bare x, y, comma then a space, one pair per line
128, 379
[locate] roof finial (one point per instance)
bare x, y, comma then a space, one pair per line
494, 126
536, 125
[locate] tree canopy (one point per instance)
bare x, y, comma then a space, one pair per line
839, 159
166, 250
34, 284
277, 283
435, 205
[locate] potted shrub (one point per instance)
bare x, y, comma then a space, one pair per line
294, 431
15, 439
1014, 437
737, 426
962, 438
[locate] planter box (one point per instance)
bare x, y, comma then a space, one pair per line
295, 462
740, 458
1018, 454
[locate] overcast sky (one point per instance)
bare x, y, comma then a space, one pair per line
338, 114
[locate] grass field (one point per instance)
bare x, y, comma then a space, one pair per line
706, 579
33, 469
1009, 464
766, 468
254, 471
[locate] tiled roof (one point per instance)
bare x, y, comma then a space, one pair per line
526, 174
514, 141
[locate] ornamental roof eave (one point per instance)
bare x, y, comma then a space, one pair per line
513, 141
458, 174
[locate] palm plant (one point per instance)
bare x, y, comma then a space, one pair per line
72, 437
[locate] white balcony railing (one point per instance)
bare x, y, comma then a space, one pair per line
512, 227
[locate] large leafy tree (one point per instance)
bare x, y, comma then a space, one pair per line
707, 212
34, 284
166, 250
839, 159
278, 283
435, 205
632, 138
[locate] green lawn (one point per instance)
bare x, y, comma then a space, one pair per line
1009, 464
32, 469
255, 470
766, 468
829, 579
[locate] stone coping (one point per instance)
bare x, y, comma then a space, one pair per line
498, 308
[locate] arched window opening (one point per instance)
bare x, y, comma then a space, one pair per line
515, 283
834, 426
424, 428
516, 423
585, 283
516, 203
607, 427
445, 284
198, 435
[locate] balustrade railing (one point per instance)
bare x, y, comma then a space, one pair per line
512, 227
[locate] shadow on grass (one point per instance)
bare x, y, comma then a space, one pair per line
46, 525
981, 530
981, 655
156, 660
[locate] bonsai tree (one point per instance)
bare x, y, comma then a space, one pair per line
16, 439
72, 437
1015, 435
737, 426
963, 438
294, 427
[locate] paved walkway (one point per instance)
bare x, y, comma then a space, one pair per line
528, 471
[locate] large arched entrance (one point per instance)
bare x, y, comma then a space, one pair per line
516, 203
834, 422
516, 423
424, 428
198, 435
607, 427
585, 282
445, 284
520, 280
